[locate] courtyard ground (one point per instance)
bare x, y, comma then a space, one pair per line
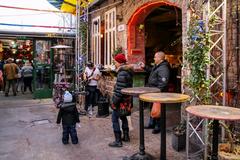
28, 132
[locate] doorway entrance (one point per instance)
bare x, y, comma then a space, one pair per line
163, 32
43, 69
157, 26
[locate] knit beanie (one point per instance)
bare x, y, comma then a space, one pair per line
120, 58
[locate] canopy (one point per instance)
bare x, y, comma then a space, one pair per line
69, 5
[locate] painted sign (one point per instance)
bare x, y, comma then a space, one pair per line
121, 27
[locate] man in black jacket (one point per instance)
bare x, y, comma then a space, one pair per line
159, 78
124, 80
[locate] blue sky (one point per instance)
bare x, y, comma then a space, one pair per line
26, 17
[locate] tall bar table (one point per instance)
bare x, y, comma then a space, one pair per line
135, 92
215, 113
163, 98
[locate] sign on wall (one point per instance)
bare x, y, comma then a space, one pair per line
121, 27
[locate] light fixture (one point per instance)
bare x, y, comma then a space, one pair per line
119, 17
61, 46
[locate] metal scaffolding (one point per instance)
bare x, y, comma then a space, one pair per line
81, 49
217, 54
216, 73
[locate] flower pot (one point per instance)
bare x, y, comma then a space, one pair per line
178, 141
224, 154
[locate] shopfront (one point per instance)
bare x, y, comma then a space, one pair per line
36, 48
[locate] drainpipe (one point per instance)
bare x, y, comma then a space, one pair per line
237, 44
237, 54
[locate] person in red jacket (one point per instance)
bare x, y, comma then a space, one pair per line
120, 101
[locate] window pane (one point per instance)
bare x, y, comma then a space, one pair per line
113, 19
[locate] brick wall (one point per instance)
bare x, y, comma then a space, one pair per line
231, 44
231, 50
127, 10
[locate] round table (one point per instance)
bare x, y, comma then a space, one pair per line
163, 98
216, 113
136, 91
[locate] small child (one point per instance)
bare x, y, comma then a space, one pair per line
70, 117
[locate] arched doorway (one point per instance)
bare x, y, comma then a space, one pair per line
153, 27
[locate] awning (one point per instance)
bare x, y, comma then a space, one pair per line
68, 5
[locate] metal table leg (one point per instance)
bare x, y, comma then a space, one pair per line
163, 132
141, 155
215, 140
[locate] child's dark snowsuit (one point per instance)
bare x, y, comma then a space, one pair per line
70, 117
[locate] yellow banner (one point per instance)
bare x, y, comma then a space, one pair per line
70, 5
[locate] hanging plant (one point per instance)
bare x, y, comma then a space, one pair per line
83, 29
197, 58
117, 51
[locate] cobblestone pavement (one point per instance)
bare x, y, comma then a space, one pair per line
28, 132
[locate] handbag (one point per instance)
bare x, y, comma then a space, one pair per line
156, 110
17, 75
125, 107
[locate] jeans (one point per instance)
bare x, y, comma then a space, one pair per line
10, 83
90, 97
27, 83
155, 122
115, 122
69, 129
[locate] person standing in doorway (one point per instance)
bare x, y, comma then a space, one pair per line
91, 76
27, 72
124, 80
10, 70
159, 77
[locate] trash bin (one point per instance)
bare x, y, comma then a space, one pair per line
103, 106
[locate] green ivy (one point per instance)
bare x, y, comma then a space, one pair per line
83, 31
117, 51
197, 58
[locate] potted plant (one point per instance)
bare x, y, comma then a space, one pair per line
179, 136
118, 50
231, 149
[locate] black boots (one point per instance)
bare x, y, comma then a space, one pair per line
157, 129
126, 137
118, 140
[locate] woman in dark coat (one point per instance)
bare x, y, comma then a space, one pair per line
124, 80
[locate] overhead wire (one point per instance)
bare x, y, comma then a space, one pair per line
19, 15
32, 9
25, 25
